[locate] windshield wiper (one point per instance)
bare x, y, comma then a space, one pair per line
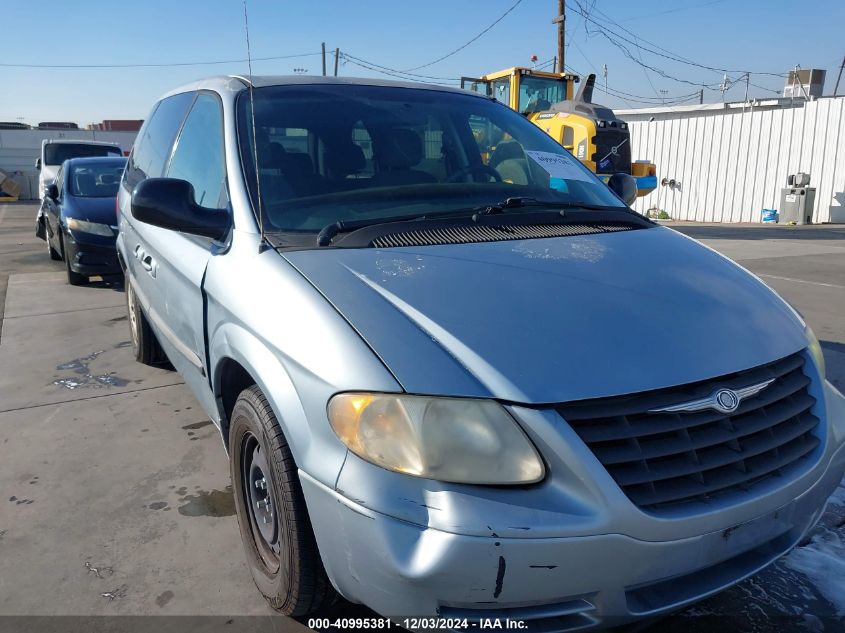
521, 202
515, 202
331, 231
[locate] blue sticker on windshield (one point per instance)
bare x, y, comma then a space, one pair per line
558, 184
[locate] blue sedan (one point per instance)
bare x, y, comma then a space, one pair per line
80, 221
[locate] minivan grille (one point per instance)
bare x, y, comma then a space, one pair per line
663, 459
492, 233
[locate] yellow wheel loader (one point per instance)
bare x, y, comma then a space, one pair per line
592, 132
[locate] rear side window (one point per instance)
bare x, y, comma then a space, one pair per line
152, 148
198, 157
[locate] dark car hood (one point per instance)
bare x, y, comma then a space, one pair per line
556, 319
100, 210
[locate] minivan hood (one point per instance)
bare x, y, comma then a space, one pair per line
555, 319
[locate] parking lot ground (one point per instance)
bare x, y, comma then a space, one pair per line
114, 487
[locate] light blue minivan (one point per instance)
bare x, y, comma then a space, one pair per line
455, 374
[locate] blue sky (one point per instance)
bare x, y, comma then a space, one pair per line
755, 35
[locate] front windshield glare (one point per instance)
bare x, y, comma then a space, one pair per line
96, 181
348, 152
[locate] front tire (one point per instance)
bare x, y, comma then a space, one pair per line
54, 254
145, 346
73, 278
280, 547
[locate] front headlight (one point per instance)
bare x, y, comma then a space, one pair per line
83, 226
815, 350
449, 439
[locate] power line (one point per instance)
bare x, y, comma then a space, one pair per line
665, 53
659, 71
575, 28
642, 99
639, 61
647, 100
396, 70
159, 65
451, 81
686, 8
392, 72
669, 54
463, 46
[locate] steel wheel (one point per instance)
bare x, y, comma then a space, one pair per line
259, 495
132, 312
52, 252
272, 517
145, 346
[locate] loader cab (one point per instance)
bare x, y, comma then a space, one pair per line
523, 89
591, 132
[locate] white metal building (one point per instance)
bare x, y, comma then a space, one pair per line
20, 148
731, 160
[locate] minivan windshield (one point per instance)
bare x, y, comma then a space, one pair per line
332, 152
57, 153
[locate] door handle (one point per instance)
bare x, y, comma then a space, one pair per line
148, 264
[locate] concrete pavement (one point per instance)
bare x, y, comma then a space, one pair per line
115, 486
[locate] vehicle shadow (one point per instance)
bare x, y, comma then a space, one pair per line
116, 284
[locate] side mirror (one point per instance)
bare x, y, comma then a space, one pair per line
38, 164
624, 186
51, 191
169, 203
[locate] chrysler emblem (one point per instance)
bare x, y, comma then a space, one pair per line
722, 400
727, 401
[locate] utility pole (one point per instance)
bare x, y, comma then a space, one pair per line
839, 76
560, 20
604, 72
801, 83
701, 97
747, 81
336, 60
324, 59
724, 87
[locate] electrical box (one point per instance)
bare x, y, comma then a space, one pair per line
804, 84
797, 205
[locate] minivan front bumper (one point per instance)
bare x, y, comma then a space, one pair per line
406, 568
